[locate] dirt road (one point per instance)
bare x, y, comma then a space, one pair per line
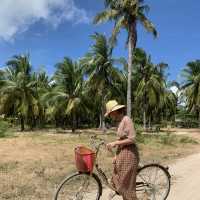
186, 173
186, 178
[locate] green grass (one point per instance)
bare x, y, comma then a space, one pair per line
3, 129
164, 139
8, 166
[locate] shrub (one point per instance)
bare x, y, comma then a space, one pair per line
186, 140
3, 128
140, 138
138, 127
168, 139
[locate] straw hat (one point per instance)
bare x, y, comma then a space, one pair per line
111, 106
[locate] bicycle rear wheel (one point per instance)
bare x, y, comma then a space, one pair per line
153, 182
79, 186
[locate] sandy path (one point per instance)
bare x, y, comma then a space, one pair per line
186, 178
106, 193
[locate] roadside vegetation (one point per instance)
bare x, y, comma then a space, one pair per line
4, 129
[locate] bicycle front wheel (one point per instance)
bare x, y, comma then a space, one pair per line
79, 186
153, 182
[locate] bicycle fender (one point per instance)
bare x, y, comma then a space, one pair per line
99, 182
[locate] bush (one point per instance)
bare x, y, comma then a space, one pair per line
140, 138
186, 140
168, 139
3, 128
138, 127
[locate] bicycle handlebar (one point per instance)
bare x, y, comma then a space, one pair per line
97, 142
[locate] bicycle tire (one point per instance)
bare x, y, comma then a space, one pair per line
73, 182
147, 187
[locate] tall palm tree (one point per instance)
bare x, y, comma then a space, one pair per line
121, 85
191, 86
18, 90
126, 14
98, 67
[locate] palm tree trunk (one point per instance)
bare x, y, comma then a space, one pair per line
144, 120
199, 119
145, 109
101, 117
100, 120
150, 123
131, 45
130, 50
22, 122
103, 120
41, 118
73, 122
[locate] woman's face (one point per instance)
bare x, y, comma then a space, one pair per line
115, 115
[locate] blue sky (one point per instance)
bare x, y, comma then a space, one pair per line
52, 29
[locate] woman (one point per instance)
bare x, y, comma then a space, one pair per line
126, 159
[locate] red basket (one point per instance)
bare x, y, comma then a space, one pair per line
84, 158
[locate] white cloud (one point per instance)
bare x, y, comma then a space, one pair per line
17, 15
174, 89
178, 93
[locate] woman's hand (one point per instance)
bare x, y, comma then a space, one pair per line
114, 160
111, 145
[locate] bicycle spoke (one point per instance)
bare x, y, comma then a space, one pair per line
153, 183
78, 187
155, 174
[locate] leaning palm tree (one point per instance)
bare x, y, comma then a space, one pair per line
98, 67
126, 14
191, 86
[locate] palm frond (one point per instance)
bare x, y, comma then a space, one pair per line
148, 25
105, 16
119, 24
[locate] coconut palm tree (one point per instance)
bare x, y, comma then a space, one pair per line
126, 15
18, 90
191, 86
66, 96
168, 103
98, 67
121, 85
150, 85
42, 87
1, 74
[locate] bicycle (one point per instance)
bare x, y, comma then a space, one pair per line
153, 181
